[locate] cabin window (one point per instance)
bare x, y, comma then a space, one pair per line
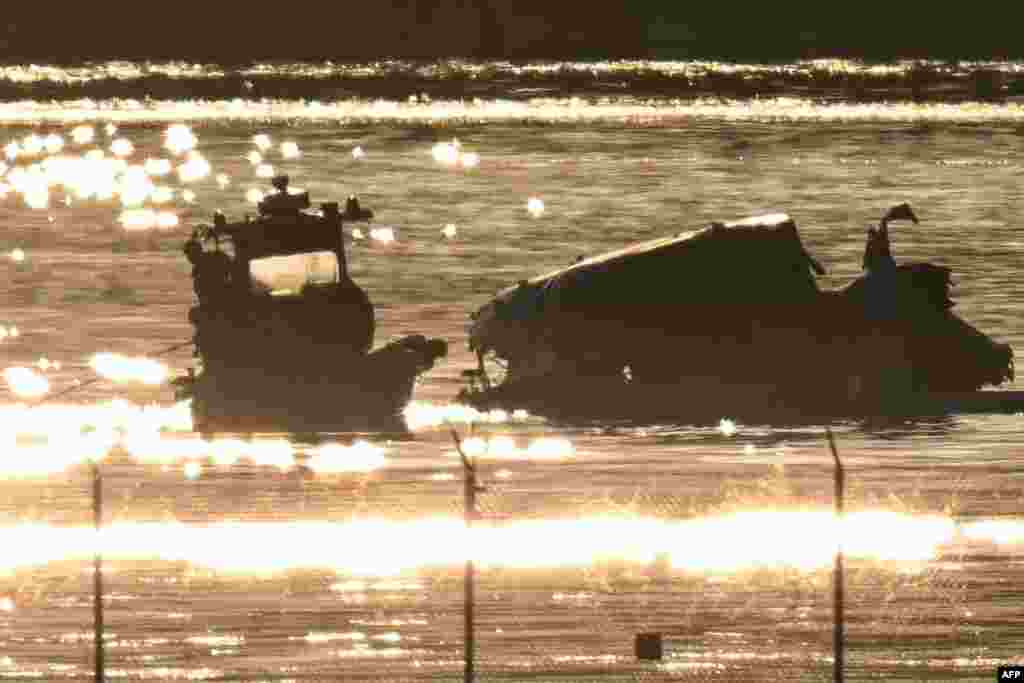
284, 275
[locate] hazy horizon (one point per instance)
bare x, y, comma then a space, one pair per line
526, 29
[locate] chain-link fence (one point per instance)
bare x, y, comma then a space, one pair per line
344, 559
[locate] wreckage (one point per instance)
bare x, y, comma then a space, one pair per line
729, 321
282, 333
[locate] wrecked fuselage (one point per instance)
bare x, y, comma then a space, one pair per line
728, 320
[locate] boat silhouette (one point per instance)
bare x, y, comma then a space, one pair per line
283, 336
729, 321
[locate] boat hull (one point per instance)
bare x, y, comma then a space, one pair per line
363, 394
705, 401
283, 333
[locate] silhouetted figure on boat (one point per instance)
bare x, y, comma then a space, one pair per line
282, 202
354, 212
877, 252
892, 290
910, 302
211, 270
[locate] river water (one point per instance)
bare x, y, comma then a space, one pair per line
226, 563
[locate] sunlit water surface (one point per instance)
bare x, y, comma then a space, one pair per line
283, 557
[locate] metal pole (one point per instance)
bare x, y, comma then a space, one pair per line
470, 578
97, 511
469, 498
838, 580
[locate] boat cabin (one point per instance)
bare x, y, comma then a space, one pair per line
281, 252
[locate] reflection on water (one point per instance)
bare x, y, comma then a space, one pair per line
460, 68
631, 111
804, 540
47, 439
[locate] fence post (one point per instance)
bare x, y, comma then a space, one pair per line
97, 513
470, 489
838, 579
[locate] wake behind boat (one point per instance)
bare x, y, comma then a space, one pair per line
730, 321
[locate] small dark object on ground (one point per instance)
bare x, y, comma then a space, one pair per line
649, 646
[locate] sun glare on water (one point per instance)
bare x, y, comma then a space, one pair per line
38, 441
122, 369
53, 143
43, 168
446, 152
535, 207
122, 147
157, 167
420, 415
26, 382
382, 235
147, 219
83, 135
194, 168
32, 145
161, 194
655, 111
504, 447
361, 456
178, 138
451, 154
804, 540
